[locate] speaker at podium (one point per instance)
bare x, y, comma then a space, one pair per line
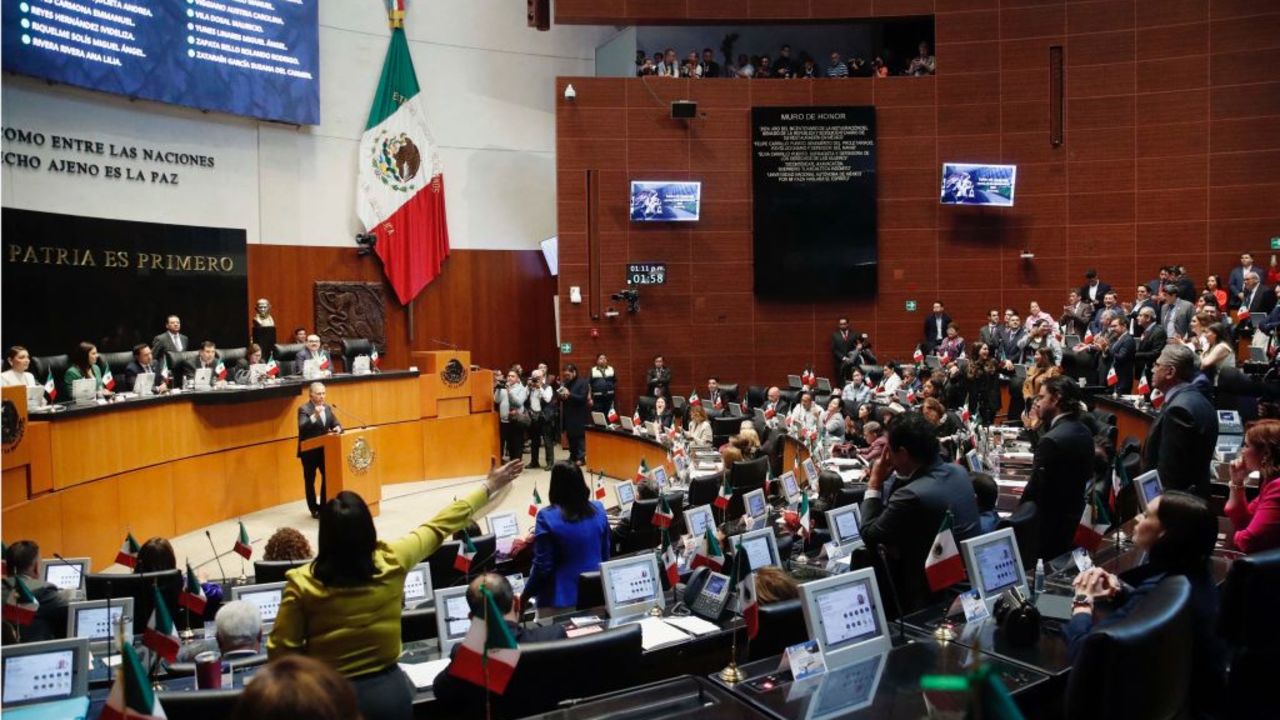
352, 462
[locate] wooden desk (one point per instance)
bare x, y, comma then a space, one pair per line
169, 465
355, 461
618, 454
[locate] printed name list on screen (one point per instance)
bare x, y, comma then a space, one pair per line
259, 58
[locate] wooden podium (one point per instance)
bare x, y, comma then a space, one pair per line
353, 460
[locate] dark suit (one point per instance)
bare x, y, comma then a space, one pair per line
992, 336
842, 343
658, 377
301, 358
575, 415
50, 622
467, 699
134, 369
1149, 347
1009, 349
1181, 441
162, 345
931, 334
1120, 355
1060, 475
188, 370
907, 521
1262, 300
313, 460
1096, 301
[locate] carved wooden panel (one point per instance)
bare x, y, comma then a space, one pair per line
350, 310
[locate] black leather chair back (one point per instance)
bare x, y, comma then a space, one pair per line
781, 626
1250, 596
550, 673
679, 408
851, 495
117, 361
231, 356
99, 586
1025, 521
285, 355
755, 396
722, 428
590, 590
703, 491
1119, 667
791, 396
353, 348
785, 545
440, 563
418, 624
642, 535
268, 571
874, 373
818, 537
179, 362
51, 365
675, 498
730, 392
747, 475
199, 704
646, 403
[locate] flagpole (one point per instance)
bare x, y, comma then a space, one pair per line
484, 662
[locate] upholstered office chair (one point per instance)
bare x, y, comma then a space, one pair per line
722, 428
817, 538
1250, 597
675, 498
418, 624
353, 348
755, 396
748, 475
99, 586
550, 673
642, 535
646, 403
786, 543
1025, 522
268, 571
680, 409
51, 365
440, 563
117, 361
791, 396
199, 704
285, 355
730, 392
703, 491
781, 626
179, 362
874, 373
1138, 666
851, 494
231, 356
590, 590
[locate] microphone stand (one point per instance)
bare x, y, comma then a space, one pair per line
893, 588
108, 581
216, 557
360, 420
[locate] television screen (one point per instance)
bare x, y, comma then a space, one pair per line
964, 184
665, 201
260, 59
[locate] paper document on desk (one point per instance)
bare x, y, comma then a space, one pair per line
655, 632
424, 674
693, 625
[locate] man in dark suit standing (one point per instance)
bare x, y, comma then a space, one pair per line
1119, 356
842, 341
575, 412
992, 334
142, 363
924, 489
658, 378
1093, 290
1151, 342
935, 327
1062, 467
1181, 441
1258, 298
315, 418
171, 340
1235, 281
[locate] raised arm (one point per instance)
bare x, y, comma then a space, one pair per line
425, 539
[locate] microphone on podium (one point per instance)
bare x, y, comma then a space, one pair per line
353, 416
216, 557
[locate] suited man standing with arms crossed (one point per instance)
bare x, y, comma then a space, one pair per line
1181, 441
842, 341
315, 418
575, 411
1061, 468
935, 327
171, 340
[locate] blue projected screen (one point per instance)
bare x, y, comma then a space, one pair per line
964, 184
259, 58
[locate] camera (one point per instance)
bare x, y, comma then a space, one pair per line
631, 296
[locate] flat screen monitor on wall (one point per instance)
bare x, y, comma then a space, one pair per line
966, 184
260, 59
665, 201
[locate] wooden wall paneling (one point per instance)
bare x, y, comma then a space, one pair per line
39, 519
148, 506
91, 520
459, 446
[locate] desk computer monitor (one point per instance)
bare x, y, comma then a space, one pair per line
626, 493
810, 472
44, 671
681, 463
660, 476
503, 524
417, 586
847, 689
67, 574
598, 419
761, 547
974, 460
843, 523
994, 564
631, 586
1148, 488
98, 620
628, 423
844, 615
453, 617
790, 488
755, 506
698, 519
265, 596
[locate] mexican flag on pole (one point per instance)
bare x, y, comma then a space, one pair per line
165, 375
943, 566
161, 635
128, 553
50, 390
400, 183
466, 553
192, 596
662, 515
220, 370
242, 546
1094, 522
488, 654
642, 473
535, 502
273, 367
694, 399
21, 606
725, 494
806, 517
131, 695
709, 553
601, 493
108, 380
670, 561
745, 584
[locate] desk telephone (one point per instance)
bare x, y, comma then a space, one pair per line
707, 594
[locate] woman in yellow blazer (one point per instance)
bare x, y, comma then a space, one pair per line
344, 607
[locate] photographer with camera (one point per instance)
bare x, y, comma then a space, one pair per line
513, 417
542, 412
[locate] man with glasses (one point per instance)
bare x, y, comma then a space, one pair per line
1181, 441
